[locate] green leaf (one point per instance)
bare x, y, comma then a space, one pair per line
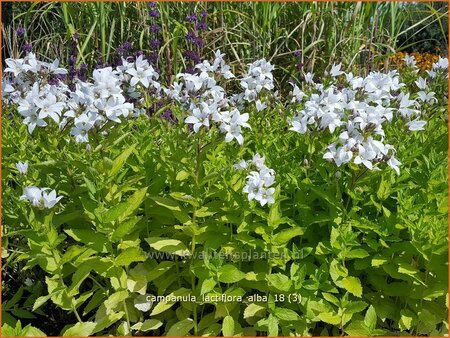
147, 325
78, 277
90, 186
254, 310
284, 236
272, 326
130, 255
172, 246
285, 314
41, 301
168, 303
355, 307
167, 203
115, 299
90, 238
407, 317
207, 285
124, 228
120, 160
379, 260
329, 318
407, 269
371, 318
172, 205
230, 274
31, 331
357, 253
181, 328
353, 285
228, 326
80, 330
181, 196
122, 210
182, 175
279, 281
357, 328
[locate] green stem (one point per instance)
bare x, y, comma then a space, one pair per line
76, 313
126, 314
197, 174
193, 285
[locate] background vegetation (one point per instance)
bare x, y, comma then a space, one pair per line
360, 35
385, 235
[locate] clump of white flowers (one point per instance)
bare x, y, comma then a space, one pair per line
355, 109
113, 94
42, 98
259, 76
259, 181
207, 101
40, 198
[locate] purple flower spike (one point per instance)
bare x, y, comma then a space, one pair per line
192, 56
155, 29
191, 18
20, 31
27, 47
201, 26
199, 42
155, 43
154, 13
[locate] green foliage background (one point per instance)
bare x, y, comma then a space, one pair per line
363, 253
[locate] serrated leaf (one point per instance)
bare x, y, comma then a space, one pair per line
207, 285
80, 330
120, 160
279, 281
282, 237
371, 318
181, 328
147, 325
357, 253
329, 318
168, 302
379, 260
353, 285
172, 246
285, 314
130, 255
254, 310
228, 326
182, 175
406, 319
122, 210
230, 274
124, 228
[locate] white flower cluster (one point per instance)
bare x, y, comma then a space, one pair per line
357, 111
89, 104
113, 94
37, 100
258, 77
207, 101
259, 181
40, 198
